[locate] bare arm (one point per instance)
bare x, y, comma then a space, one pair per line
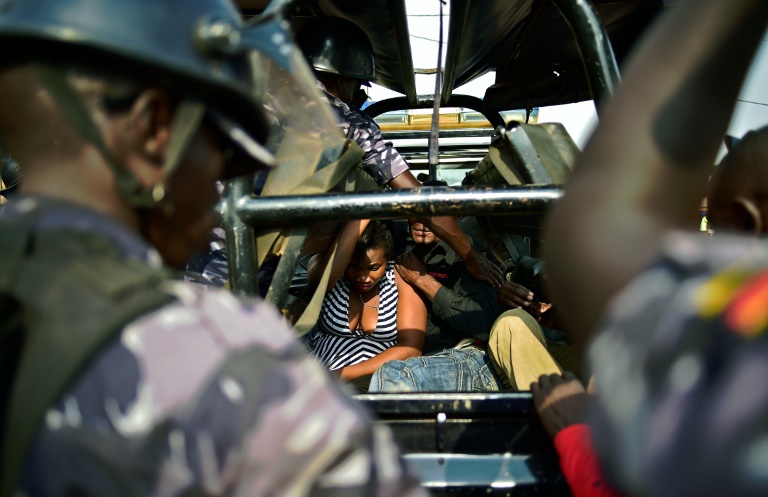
411, 333
446, 228
468, 307
415, 272
348, 238
646, 167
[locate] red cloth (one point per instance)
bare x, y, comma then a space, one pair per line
579, 463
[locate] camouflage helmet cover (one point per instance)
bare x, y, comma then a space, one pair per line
337, 46
192, 46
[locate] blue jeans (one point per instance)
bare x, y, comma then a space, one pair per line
452, 370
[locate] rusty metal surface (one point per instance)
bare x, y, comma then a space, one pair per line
394, 204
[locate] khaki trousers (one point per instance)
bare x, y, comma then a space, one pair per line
518, 350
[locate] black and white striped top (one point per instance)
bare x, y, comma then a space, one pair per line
335, 345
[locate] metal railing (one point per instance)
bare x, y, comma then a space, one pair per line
299, 210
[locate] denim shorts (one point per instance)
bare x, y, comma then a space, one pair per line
452, 370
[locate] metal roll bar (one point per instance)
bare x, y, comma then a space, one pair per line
396, 204
428, 101
456, 29
240, 238
399, 18
594, 47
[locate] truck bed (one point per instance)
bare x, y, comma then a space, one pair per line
489, 444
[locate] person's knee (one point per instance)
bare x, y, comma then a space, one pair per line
392, 377
513, 318
452, 370
510, 326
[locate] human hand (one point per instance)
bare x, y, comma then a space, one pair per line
561, 401
538, 309
410, 267
513, 295
482, 269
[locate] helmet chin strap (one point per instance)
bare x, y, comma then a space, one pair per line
185, 124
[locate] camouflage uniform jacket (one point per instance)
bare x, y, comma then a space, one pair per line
681, 362
205, 396
381, 160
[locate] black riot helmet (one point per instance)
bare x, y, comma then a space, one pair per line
10, 174
195, 49
337, 46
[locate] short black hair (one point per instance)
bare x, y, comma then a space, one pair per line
377, 235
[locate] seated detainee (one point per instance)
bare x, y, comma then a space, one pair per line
461, 311
527, 340
370, 315
517, 358
461, 318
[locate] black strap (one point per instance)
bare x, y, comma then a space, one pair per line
11, 344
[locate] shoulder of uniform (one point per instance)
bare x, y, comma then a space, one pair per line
240, 322
113, 280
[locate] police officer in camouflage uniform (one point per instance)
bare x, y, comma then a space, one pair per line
114, 380
680, 341
342, 57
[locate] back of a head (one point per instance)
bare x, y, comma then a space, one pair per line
337, 46
738, 192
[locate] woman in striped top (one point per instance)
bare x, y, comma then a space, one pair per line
369, 315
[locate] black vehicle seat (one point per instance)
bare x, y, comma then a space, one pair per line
522, 154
